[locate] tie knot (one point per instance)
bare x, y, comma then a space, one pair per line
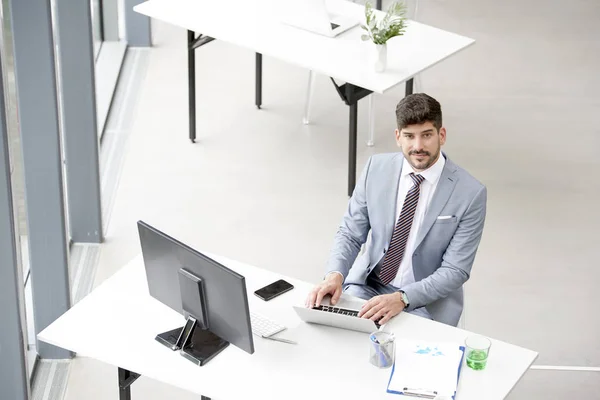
417, 179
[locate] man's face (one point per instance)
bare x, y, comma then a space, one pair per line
421, 144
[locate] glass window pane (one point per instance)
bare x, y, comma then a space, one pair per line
96, 26
17, 177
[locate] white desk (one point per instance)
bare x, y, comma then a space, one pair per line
118, 321
254, 24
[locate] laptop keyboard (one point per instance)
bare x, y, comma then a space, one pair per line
342, 311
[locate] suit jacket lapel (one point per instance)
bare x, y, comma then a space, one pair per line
391, 194
444, 189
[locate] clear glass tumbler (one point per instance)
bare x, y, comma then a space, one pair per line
382, 349
478, 350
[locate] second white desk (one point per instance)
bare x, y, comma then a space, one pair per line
254, 24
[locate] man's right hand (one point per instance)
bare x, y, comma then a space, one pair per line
332, 284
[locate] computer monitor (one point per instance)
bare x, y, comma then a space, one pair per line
209, 295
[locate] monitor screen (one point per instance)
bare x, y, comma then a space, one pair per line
224, 290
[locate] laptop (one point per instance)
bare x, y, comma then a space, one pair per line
343, 315
312, 15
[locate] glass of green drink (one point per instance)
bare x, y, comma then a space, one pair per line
478, 350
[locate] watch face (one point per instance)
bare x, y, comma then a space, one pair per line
405, 299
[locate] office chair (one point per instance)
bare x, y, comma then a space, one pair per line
462, 322
311, 83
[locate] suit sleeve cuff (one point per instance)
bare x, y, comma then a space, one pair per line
412, 296
334, 272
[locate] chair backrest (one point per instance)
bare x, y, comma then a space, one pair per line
463, 317
412, 7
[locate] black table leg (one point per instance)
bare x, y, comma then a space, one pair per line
126, 378
350, 95
258, 80
352, 133
192, 84
193, 43
409, 86
378, 4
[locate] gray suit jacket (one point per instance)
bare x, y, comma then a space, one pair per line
444, 249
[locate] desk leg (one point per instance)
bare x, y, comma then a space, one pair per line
192, 84
350, 95
126, 378
258, 80
378, 4
352, 133
409, 86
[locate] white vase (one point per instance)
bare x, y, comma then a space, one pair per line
380, 57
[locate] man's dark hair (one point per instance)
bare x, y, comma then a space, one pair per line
418, 108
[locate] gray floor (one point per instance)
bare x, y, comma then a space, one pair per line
261, 187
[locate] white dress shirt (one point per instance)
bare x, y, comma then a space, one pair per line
432, 175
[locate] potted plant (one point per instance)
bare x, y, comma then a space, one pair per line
379, 32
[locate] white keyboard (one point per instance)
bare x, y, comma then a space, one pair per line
264, 326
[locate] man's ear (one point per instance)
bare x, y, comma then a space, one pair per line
442, 135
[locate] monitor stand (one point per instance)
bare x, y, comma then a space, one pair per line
194, 343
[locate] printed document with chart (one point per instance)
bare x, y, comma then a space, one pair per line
426, 368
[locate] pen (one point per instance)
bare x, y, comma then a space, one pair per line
280, 340
415, 393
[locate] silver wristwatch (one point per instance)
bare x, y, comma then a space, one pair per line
404, 299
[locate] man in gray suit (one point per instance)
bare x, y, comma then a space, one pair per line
425, 216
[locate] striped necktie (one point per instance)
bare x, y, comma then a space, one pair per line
395, 253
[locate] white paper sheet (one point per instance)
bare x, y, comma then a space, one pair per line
425, 368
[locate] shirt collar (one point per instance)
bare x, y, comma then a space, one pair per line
431, 174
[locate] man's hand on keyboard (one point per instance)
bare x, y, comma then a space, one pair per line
332, 284
384, 306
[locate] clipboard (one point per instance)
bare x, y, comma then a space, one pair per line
426, 393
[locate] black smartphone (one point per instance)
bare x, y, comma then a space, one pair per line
274, 289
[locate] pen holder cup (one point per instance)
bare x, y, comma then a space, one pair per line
382, 349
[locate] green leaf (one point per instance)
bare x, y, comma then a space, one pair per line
368, 12
391, 25
365, 37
